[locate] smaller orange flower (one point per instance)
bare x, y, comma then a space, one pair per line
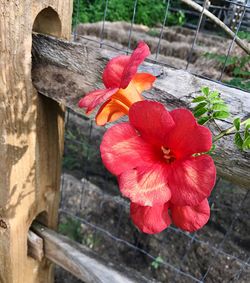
123, 86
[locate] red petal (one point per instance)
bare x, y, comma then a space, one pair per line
136, 58
152, 121
122, 149
113, 72
110, 111
150, 220
191, 180
188, 137
146, 185
92, 99
191, 218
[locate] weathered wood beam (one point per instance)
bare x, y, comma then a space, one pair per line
78, 260
66, 71
35, 246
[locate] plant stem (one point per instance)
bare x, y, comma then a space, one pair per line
228, 131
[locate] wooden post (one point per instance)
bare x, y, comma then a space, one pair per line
31, 137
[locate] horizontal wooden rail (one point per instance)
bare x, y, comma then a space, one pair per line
77, 259
66, 71
35, 246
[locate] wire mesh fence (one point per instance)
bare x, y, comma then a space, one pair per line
92, 211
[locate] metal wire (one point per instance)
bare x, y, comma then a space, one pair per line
162, 29
85, 165
225, 237
110, 235
190, 239
153, 61
131, 26
231, 44
193, 238
243, 268
196, 34
103, 23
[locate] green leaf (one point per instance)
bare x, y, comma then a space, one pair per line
247, 122
200, 112
199, 99
220, 115
220, 107
238, 140
217, 100
247, 132
203, 120
214, 94
157, 262
205, 90
200, 105
246, 143
237, 123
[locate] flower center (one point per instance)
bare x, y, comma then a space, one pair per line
168, 155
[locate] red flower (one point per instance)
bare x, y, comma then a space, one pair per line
148, 219
123, 86
158, 156
191, 218
152, 220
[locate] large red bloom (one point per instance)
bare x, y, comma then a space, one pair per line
154, 219
159, 155
123, 86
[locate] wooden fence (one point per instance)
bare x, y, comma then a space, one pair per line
32, 129
31, 137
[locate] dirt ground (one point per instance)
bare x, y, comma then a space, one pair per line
221, 249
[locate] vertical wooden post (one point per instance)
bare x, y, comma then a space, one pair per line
31, 136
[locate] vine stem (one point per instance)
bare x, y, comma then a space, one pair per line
228, 131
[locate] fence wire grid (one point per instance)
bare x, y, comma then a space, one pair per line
92, 211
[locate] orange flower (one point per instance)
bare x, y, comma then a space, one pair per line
123, 86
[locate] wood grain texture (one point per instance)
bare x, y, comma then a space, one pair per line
67, 71
35, 246
81, 261
31, 130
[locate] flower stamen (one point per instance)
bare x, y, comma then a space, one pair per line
168, 155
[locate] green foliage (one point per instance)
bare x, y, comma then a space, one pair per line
237, 67
242, 135
72, 229
176, 18
209, 106
244, 35
77, 146
149, 12
157, 262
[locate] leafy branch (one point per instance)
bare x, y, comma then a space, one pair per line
211, 107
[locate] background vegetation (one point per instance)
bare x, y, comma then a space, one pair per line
149, 12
